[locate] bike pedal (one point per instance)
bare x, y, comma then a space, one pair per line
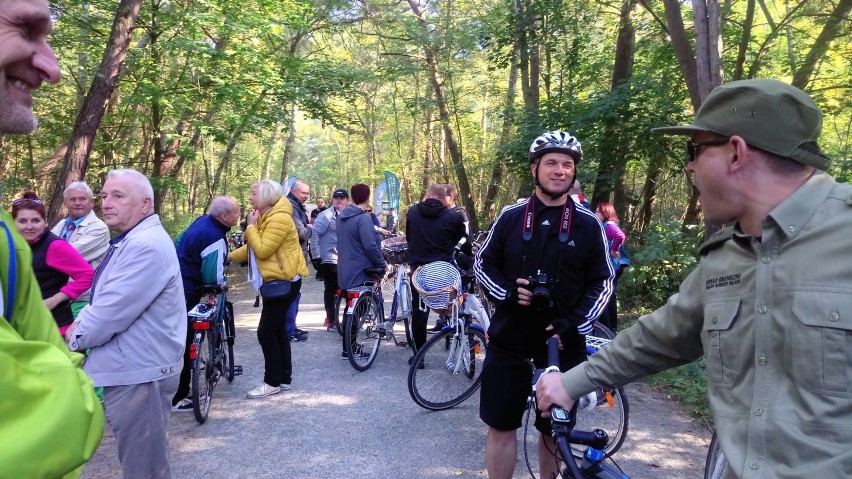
238, 370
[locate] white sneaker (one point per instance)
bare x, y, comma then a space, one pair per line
285, 387
184, 405
262, 391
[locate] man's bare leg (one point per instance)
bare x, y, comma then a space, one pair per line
501, 453
547, 466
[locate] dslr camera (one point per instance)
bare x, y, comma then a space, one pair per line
540, 287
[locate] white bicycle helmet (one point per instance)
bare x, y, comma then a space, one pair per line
437, 282
556, 141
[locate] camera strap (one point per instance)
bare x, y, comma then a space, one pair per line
529, 227
564, 223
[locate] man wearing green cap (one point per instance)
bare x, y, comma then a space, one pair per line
770, 305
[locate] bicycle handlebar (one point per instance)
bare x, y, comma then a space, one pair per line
211, 289
563, 422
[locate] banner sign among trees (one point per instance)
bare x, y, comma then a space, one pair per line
380, 194
393, 190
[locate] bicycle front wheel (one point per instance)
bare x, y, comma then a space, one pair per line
441, 378
405, 307
202, 374
716, 463
362, 334
611, 412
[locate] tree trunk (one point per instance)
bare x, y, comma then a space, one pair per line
683, 50
830, 31
291, 141
440, 99
613, 153
505, 135
90, 115
739, 65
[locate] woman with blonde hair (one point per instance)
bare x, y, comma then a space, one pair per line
276, 268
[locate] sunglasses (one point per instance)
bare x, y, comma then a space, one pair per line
692, 147
369, 210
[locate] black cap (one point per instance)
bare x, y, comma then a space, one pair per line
341, 193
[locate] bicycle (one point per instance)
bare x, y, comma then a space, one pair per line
716, 464
604, 409
607, 409
568, 439
447, 369
212, 350
365, 320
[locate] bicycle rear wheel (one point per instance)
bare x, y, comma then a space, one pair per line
202, 374
339, 311
363, 338
432, 381
716, 464
601, 331
405, 308
611, 412
228, 345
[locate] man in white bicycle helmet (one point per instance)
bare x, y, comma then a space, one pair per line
559, 247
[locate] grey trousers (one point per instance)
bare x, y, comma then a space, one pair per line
139, 416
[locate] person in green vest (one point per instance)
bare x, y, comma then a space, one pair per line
51, 422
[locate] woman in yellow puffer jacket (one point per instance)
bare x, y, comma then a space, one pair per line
272, 250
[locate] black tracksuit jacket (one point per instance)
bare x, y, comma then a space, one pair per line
580, 266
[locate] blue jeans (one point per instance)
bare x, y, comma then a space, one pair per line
290, 318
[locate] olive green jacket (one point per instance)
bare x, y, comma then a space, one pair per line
51, 422
773, 319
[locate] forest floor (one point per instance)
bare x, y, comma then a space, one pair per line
337, 422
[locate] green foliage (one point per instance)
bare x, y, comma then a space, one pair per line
687, 384
668, 253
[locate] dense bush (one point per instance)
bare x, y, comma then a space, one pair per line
667, 254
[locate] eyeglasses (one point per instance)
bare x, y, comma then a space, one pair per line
692, 147
32, 201
369, 210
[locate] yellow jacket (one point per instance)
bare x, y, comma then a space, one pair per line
275, 243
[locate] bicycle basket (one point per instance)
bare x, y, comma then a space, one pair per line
437, 282
395, 250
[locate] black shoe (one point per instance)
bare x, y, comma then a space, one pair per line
438, 327
299, 337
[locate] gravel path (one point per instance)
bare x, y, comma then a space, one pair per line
336, 422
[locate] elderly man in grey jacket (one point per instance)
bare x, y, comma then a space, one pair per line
325, 233
135, 326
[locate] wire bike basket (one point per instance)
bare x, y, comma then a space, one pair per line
395, 250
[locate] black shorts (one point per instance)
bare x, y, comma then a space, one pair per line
506, 385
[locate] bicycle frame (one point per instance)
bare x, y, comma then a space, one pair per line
563, 422
397, 306
457, 360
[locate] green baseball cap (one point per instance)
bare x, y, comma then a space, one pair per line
769, 114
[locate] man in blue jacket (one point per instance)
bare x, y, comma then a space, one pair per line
202, 250
359, 246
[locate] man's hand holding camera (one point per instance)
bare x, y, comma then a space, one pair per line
535, 291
